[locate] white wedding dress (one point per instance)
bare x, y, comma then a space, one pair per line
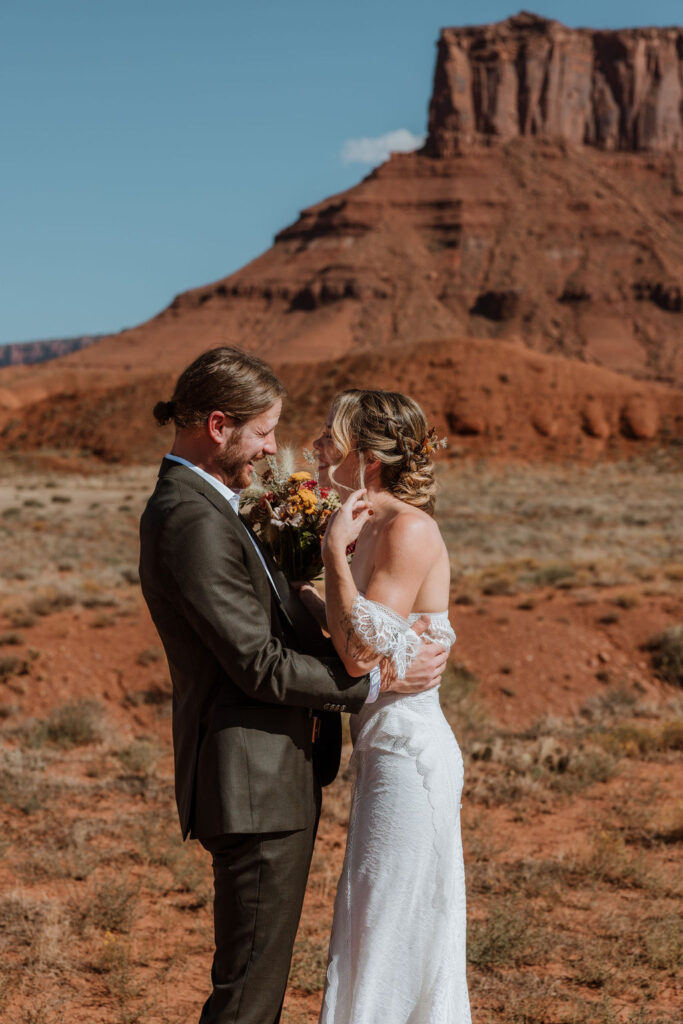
397, 949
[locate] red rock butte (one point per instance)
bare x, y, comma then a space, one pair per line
527, 76
544, 213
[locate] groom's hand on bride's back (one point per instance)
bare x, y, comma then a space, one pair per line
424, 671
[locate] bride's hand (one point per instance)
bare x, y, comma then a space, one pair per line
346, 524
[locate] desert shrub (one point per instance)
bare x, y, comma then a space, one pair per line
22, 782
507, 936
103, 621
527, 1000
633, 740
149, 656
156, 694
60, 499
75, 724
140, 756
109, 906
667, 654
37, 929
663, 941
309, 962
626, 601
613, 703
551, 575
22, 916
22, 618
585, 767
498, 586
99, 601
45, 604
460, 704
11, 639
608, 619
12, 666
609, 860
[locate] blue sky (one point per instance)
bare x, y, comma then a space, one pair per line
150, 146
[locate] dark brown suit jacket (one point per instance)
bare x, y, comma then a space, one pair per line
247, 667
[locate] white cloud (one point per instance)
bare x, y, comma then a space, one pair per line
375, 151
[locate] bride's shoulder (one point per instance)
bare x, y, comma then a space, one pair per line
409, 530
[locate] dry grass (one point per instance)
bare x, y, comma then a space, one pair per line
309, 964
509, 935
109, 906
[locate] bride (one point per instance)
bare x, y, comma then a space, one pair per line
397, 949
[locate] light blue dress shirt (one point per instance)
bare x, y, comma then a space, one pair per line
233, 499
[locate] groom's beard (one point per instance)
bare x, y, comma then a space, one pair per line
233, 462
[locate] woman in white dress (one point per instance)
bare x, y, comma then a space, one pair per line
397, 949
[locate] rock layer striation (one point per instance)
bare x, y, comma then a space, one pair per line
617, 90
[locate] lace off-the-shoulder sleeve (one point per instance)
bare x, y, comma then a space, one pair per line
385, 632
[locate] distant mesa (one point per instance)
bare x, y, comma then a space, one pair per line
528, 76
26, 353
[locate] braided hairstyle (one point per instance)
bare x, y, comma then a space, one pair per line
392, 428
223, 379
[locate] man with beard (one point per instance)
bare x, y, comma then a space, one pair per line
257, 689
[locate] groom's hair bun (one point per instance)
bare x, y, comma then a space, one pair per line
163, 412
223, 379
391, 427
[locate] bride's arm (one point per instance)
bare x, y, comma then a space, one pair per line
405, 553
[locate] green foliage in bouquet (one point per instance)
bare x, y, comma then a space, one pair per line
289, 512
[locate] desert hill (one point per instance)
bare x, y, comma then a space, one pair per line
544, 211
492, 398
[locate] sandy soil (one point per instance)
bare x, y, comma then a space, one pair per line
571, 815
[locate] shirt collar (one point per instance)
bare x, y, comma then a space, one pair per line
232, 497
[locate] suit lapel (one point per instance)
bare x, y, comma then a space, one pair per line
281, 590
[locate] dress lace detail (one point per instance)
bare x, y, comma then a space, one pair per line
385, 632
402, 887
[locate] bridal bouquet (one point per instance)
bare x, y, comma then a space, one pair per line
288, 510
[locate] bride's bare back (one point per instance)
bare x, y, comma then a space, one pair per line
401, 560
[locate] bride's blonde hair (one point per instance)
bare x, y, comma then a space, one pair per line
392, 428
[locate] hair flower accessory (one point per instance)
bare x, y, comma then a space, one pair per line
433, 442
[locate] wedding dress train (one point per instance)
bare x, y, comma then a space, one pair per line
397, 949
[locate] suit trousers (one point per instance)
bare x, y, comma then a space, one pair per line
259, 885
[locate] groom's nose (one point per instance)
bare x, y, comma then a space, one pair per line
269, 444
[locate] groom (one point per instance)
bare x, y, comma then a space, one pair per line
256, 687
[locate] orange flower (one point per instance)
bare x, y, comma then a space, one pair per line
308, 499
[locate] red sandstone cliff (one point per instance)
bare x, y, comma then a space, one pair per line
530, 76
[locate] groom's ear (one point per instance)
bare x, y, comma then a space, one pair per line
216, 424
